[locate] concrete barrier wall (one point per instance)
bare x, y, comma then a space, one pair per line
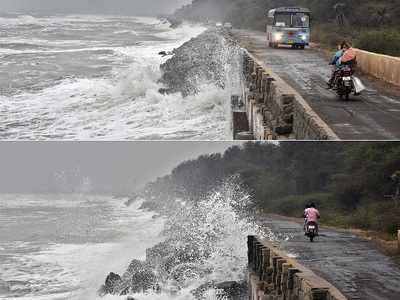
398, 241
384, 67
275, 276
275, 111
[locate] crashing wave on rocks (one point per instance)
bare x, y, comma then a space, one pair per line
210, 58
203, 255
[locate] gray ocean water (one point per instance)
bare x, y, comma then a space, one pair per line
92, 77
63, 246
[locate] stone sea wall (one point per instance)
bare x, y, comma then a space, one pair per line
274, 110
205, 59
384, 67
275, 276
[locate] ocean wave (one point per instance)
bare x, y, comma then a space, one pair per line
46, 42
126, 31
203, 247
54, 51
182, 32
18, 20
42, 269
128, 105
99, 104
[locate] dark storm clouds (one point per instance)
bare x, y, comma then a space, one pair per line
132, 7
40, 167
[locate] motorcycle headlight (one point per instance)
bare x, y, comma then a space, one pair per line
304, 37
278, 36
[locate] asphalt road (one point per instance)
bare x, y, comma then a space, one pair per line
350, 263
375, 115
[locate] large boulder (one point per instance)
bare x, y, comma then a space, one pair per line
187, 271
200, 61
156, 255
233, 290
227, 290
139, 277
111, 285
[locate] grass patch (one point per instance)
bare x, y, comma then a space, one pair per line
384, 41
381, 218
379, 41
329, 35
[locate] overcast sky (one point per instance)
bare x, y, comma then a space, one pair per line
133, 7
101, 167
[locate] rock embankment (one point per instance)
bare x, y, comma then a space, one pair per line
202, 60
173, 263
184, 258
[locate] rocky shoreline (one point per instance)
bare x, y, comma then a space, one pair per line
173, 261
205, 59
209, 58
191, 258
166, 262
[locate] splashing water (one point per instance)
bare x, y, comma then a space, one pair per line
205, 246
96, 78
58, 247
63, 246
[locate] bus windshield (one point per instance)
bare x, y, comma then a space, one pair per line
283, 20
298, 20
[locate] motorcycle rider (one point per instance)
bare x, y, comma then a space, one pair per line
305, 215
333, 63
344, 56
349, 55
312, 215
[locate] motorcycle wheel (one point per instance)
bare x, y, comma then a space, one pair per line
311, 238
347, 96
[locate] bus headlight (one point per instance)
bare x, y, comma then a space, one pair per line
278, 36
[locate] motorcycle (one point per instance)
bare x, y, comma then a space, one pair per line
311, 230
346, 83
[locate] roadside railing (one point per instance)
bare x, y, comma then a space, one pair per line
273, 275
384, 67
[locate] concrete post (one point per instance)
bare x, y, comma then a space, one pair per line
319, 294
398, 241
250, 241
275, 268
278, 282
277, 277
290, 280
265, 263
259, 72
234, 100
259, 247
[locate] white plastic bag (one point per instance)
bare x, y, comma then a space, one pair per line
358, 85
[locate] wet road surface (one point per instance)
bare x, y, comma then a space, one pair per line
350, 263
371, 116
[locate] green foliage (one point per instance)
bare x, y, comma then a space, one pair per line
293, 206
329, 35
348, 181
380, 41
371, 17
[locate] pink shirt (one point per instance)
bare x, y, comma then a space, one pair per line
312, 214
